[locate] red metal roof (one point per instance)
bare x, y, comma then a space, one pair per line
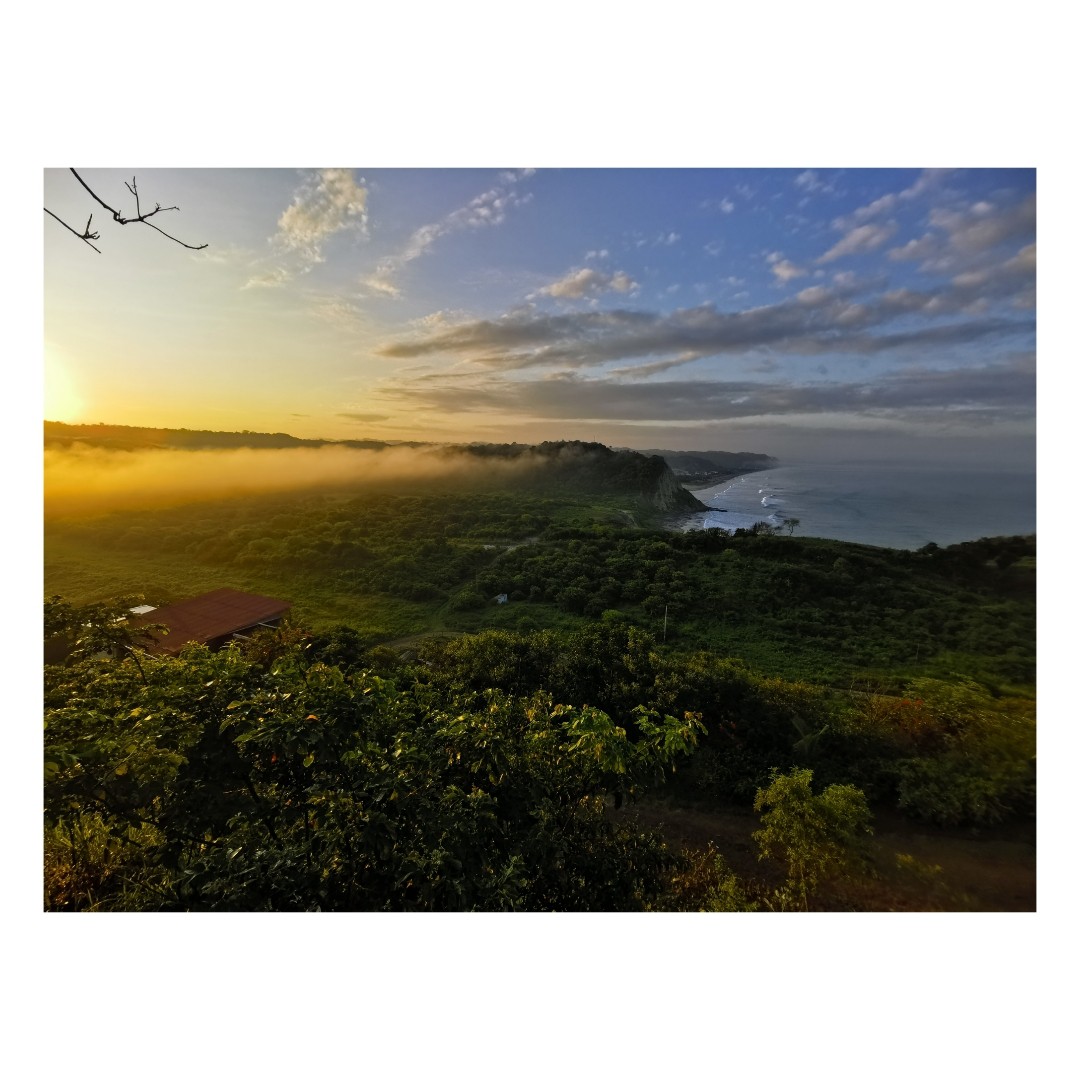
213, 615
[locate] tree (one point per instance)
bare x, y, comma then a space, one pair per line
211, 782
817, 836
139, 217
81, 633
792, 524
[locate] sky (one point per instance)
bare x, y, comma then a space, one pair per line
815, 314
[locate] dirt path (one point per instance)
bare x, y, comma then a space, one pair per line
986, 870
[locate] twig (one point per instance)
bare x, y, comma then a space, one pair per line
86, 236
119, 218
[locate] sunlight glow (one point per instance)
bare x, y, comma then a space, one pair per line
62, 400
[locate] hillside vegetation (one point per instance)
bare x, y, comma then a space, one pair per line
407, 742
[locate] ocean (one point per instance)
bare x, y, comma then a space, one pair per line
897, 506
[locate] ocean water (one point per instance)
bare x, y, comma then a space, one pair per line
897, 506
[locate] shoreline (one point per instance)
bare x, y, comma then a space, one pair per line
895, 506
685, 520
720, 478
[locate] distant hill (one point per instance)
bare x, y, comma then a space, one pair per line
122, 437
594, 467
552, 467
703, 468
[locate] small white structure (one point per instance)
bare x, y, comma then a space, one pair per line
502, 598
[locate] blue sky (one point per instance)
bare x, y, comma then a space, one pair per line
811, 313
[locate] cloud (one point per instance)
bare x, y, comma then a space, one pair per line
382, 285
973, 260
810, 181
924, 247
269, 280
816, 294
968, 240
783, 269
328, 202
486, 209
999, 390
817, 321
928, 180
863, 232
341, 313
982, 226
586, 282
878, 206
363, 417
858, 241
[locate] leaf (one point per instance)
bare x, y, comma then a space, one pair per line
309, 761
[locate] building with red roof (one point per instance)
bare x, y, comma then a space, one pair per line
213, 619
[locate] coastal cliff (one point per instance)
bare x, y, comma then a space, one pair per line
666, 493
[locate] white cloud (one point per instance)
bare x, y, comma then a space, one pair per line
861, 239
381, 285
982, 226
587, 282
878, 206
812, 182
816, 294
966, 243
269, 280
928, 180
488, 208
783, 269
328, 202
923, 248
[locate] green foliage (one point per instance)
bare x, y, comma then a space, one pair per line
297, 785
801, 608
78, 633
704, 882
982, 770
816, 836
337, 768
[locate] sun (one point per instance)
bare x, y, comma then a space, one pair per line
62, 400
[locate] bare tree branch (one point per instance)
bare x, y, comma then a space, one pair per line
119, 218
86, 235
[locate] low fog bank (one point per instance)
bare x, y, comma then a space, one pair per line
88, 480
